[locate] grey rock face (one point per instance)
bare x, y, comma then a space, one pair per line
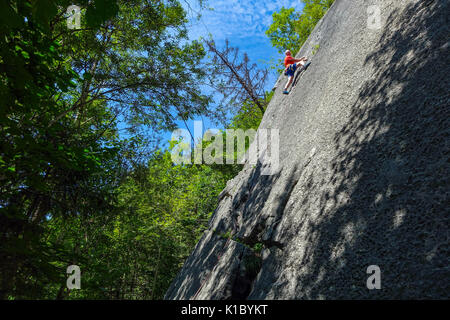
363, 177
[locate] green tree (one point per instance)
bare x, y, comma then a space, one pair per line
140, 64
249, 116
290, 29
165, 209
282, 32
73, 190
47, 168
62, 160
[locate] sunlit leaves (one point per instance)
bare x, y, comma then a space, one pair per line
290, 29
49, 168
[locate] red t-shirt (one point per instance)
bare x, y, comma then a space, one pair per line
288, 60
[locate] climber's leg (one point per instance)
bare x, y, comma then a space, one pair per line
290, 73
291, 78
306, 64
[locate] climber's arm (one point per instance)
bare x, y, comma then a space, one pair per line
301, 59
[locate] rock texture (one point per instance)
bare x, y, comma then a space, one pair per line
363, 177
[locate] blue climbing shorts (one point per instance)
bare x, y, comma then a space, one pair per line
291, 70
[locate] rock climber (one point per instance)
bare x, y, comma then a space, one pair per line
291, 65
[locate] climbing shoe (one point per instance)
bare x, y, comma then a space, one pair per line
306, 65
286, 92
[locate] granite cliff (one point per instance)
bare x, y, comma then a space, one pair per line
363, 172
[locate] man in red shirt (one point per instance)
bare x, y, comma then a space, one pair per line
291, 65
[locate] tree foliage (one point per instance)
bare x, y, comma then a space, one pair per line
136, 254
81, 181
48, 168
290, 29
63, 93
282, 32
141, 65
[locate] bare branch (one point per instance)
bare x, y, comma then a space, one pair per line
238, 80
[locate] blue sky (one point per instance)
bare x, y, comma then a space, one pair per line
243, 23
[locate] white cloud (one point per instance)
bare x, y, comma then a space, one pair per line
243, 23
238, 19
